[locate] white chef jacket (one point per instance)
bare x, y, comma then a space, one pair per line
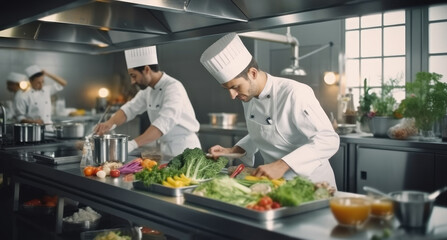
170, 110
36, 104
287, 122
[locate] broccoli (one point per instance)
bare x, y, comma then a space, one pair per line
197, 167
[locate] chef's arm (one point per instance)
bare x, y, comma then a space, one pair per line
151, 134
56, 78
273, 170
117, 119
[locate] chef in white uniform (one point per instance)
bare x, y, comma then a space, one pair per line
285, 121
172, 116
13, 81
35, 104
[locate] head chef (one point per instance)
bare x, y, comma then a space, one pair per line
34, 106
164, 98
285, 121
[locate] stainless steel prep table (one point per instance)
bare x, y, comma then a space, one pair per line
183, 220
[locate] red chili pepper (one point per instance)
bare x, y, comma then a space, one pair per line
237, 171
162, 166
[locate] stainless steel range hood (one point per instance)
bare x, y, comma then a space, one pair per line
96, 27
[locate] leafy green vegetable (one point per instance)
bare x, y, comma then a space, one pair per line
155, 175
195, 165
228, 190
294, 192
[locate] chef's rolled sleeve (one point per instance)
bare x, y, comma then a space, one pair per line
135, 106
250, 150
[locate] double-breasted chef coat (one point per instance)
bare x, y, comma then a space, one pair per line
36, 104
287, 122
170, 110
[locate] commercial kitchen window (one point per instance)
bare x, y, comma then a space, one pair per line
375, 50
437, 35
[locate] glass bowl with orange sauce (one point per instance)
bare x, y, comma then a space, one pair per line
351, 211
382, 207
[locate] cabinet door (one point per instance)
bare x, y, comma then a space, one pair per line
441, 177
338, 164
393, 170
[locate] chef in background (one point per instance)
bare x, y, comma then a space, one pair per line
13, 85
34, 105
285, 121
172, 117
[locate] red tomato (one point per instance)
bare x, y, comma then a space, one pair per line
265, 201
96, 169
114, 173
275, 205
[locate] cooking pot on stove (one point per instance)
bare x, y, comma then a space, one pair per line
69, 130
110, 147
29, 132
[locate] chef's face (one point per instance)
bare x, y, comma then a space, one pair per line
37, 82
12, 86
243, 88
141, 79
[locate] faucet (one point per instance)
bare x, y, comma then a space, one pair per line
3, 135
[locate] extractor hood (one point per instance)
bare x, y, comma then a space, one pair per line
96, 27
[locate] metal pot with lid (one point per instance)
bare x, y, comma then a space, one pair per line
29, 132
110, 147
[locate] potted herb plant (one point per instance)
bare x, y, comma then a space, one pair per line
365, 107
426, 102
384, 112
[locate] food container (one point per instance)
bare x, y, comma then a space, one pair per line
69, 130
110, 147
350, 211
343, 128
28, 132
382, 207
79, 226
379, 125
412, 208
223, 119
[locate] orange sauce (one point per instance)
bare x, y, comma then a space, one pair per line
350, 210
382, 208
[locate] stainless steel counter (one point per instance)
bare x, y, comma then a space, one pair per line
186, 221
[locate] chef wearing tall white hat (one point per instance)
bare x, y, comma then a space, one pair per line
13, 81
285, 121
172, 117
35, 104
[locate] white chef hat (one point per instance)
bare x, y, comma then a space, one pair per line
226, 58
141, 56
16, 77
33, 69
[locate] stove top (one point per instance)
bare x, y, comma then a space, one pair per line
12, 145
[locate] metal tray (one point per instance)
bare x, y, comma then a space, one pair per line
158, 188
257, 215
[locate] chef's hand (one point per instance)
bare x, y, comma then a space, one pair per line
273, 170
103, 128
216, 151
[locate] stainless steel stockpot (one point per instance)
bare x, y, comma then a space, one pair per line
110, 147
69, 130
223, 119
29, 132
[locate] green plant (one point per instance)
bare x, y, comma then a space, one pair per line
385, 104
366, 101
426, 100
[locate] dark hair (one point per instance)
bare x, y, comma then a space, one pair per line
244, 73
36, 76
154, 67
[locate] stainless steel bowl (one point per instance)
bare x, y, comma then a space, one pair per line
223, 119
412, 208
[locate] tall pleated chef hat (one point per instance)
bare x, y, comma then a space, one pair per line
141, 57
226, 58
33, 69
16, 77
